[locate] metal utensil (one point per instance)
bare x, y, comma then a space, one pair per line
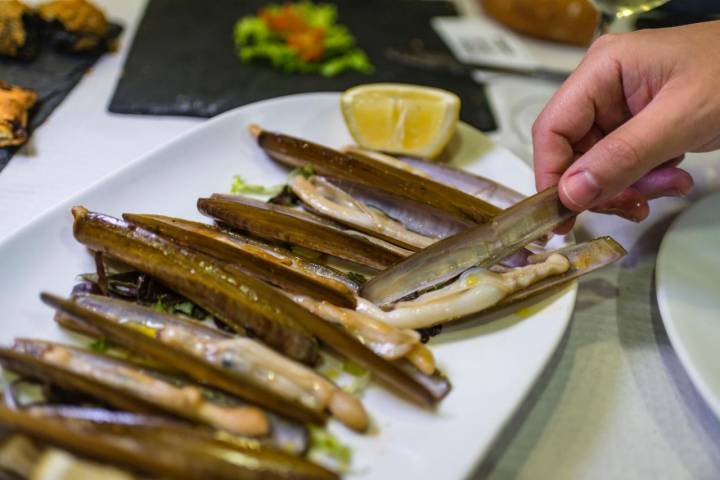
481, 246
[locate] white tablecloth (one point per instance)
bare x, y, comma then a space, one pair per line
613, 403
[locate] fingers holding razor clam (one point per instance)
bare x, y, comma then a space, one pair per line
274, 371
328, 200
475, 290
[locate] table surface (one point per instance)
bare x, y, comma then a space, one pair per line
614, 402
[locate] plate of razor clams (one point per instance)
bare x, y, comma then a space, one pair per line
159, 326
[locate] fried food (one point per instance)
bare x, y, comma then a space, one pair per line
15, 102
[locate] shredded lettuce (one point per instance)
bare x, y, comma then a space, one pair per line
346, 374
326, 449
100, 345
241, 187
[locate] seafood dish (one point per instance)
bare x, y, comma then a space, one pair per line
77, 26
231, 348
20, 31
15, 102
74, 26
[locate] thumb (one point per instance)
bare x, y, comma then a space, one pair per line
625, 155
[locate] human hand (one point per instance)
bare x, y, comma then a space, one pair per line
613, 134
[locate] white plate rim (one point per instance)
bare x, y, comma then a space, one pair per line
711, 397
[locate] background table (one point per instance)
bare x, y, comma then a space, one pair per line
614, 402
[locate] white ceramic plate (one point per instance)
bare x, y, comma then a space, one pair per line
492, 367
687, 280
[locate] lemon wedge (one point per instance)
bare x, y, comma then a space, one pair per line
400, 118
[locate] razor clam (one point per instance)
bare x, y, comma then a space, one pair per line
287, 437
386, 341
475, 290
238, 299
479, 290
296, 152
280, 223
173, 340
160, 452
112, 310
125, 385
481, 187
269, 263
326, 199
480, 246
382, 338
241, 358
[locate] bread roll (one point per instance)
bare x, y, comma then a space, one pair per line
567, 21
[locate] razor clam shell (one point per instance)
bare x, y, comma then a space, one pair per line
161, 452
359, 169
288, 437
415, 216
478, 186
109, 316
279, 223
29, 362
241, 301
584, 258
340, 341
482, 246
269, 263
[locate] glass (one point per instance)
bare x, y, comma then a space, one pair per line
610, 10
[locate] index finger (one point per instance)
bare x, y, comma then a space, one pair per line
588, 105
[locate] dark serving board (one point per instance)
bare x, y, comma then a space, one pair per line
183, 60
52, 75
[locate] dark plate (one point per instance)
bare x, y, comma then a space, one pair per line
52, 75
183, 60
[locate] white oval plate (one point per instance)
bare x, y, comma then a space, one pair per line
687, 278
491, 366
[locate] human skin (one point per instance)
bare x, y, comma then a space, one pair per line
613, 134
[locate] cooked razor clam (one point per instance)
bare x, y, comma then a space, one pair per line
238, 299
162, 453
280, 223
207, 282
297, 152
479, 290
476, 185
475, 290
270, 263
280, 375
19, 30
328, 200
240, 359
126, 385
288, 437
386, 340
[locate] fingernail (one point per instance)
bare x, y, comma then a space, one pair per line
581, 189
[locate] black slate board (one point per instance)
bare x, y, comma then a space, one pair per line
183, 61
52, 75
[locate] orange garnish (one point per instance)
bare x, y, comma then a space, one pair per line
310, 44
285, 22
